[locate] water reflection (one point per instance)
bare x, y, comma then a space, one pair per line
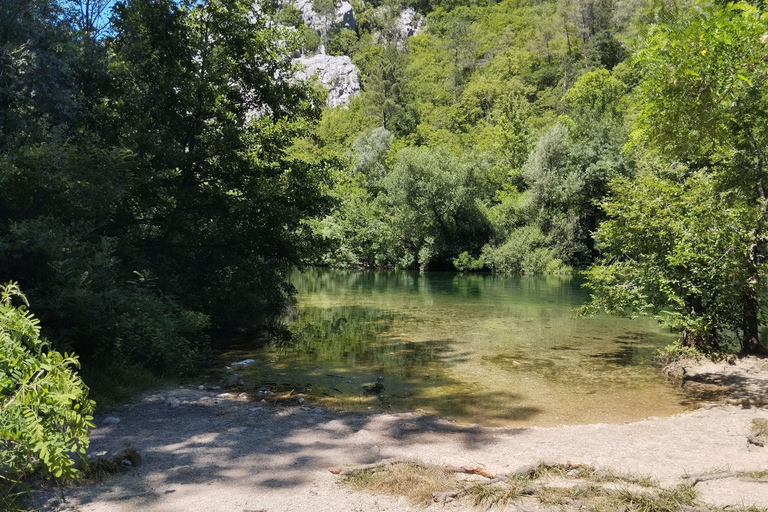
478, 348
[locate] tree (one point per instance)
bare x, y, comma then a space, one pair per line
385, 88
674, 247
218, 211
704, 99
434, 195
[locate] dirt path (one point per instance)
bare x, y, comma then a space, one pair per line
208, 451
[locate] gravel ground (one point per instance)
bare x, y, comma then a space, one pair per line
211, 451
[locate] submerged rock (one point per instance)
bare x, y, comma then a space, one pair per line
373, 389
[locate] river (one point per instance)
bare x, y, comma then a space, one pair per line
474, 348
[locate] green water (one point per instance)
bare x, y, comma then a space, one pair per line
492, 350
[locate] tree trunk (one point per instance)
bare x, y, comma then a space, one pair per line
750, 343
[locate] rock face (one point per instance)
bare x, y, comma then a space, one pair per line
408, 24
344, 15
336, 73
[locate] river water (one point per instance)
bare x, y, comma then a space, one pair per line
485, 349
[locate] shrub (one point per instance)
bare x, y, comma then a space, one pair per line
45, 413
342, 42
464, 262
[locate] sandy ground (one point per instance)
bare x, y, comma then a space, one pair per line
213, 451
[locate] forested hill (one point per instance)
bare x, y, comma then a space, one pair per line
485, 140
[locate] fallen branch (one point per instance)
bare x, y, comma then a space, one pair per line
693, 480
470, 470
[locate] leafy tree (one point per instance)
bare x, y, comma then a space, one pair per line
45, 414
434, 195
385, 90
370, 154
703, 108
674, 247
218, 214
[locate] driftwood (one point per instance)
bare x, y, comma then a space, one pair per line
470, 470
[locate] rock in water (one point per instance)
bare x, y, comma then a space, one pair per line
373, 389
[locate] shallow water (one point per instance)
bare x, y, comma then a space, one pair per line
486, 349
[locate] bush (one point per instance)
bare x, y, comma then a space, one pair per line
342, 42
464, 262
45, 413
290, 16
311, 39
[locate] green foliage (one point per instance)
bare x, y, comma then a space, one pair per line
521, 91
524, 252
674, 247
290, 16
464, 262
45, 413
311, 39
342, 42
699, 262
146, 192
676, 351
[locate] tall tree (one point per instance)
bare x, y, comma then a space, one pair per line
704, 105
208, 92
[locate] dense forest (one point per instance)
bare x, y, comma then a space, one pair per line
546, 137
163, 169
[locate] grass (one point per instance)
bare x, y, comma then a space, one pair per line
567, 486
760, 429
415, 481
117, 384
12, 496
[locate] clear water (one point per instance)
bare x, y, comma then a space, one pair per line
486, 349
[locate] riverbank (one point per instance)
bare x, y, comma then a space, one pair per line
211, 451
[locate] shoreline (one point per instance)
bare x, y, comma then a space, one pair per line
212, 451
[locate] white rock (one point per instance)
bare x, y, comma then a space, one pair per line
244, 362
172, 402
336, 73
408, 24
